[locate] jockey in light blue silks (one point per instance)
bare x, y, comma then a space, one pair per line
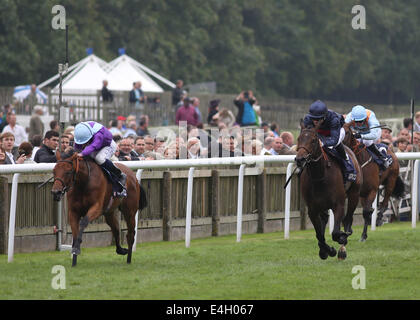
95, 140
368, 130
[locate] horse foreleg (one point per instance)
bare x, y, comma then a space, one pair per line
74, 220
338, 235
319, 222
367, 212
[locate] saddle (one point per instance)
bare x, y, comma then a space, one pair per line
117, 188
347, 167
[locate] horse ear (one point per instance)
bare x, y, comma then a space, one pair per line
58, 155
302, 124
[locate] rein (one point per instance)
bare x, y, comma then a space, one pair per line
74, 171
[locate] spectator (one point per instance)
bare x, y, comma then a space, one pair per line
268, 143
137, 99
149, 143
107, 96
31, 100
187, 113
416, 141
159, 145
25, 149
143, 126
18, 131
275, 129
386, 133
36, 143
131, 130
2, 156
417, 121
126, 151
65, 142
116, 125
177, 93
265, 127
6, 109
54, 125
36, 126
225, 116
287, 138
278, 148
408, 123
193, 147
47, 151
8, 142
213, 110
244, 102
139, 147
403, 133
196, 103
402, 144
257, 110
257, 147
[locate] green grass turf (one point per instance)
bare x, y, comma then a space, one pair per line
261, 266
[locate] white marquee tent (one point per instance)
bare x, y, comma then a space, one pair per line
86, 76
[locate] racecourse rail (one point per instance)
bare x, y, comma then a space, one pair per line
242, 162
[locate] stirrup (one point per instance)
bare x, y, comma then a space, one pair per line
121, 194
351, 177
387, 162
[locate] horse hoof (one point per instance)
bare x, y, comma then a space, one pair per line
342, 254
332, 252
379, 223
74, 260
323, 254
363, 239
122, 251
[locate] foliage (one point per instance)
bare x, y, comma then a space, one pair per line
297, 49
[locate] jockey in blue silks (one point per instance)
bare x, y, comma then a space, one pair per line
95, 140
330, 132
368, 130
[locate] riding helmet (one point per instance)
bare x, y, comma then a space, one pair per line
82, 133
359, 113
318, 110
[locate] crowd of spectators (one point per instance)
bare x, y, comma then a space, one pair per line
222, 135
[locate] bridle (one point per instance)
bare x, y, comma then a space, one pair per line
310, 157
74, 171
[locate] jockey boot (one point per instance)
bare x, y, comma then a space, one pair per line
387, 161
342, 152
121, 176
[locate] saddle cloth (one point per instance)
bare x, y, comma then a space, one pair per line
347, 167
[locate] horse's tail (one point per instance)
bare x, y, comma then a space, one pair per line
143, 199
399, 188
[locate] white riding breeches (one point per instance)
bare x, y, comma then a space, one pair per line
341, 137
105, 153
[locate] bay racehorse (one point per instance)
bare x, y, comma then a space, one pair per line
322, 187
89, 195
373, 177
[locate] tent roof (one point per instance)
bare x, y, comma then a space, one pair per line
86, 76
126, 72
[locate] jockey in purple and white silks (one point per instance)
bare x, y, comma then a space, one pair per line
95, 140
368, 130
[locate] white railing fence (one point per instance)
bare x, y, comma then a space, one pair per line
18, 169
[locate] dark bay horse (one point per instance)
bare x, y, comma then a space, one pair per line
322, 187
89, 196
373, 177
